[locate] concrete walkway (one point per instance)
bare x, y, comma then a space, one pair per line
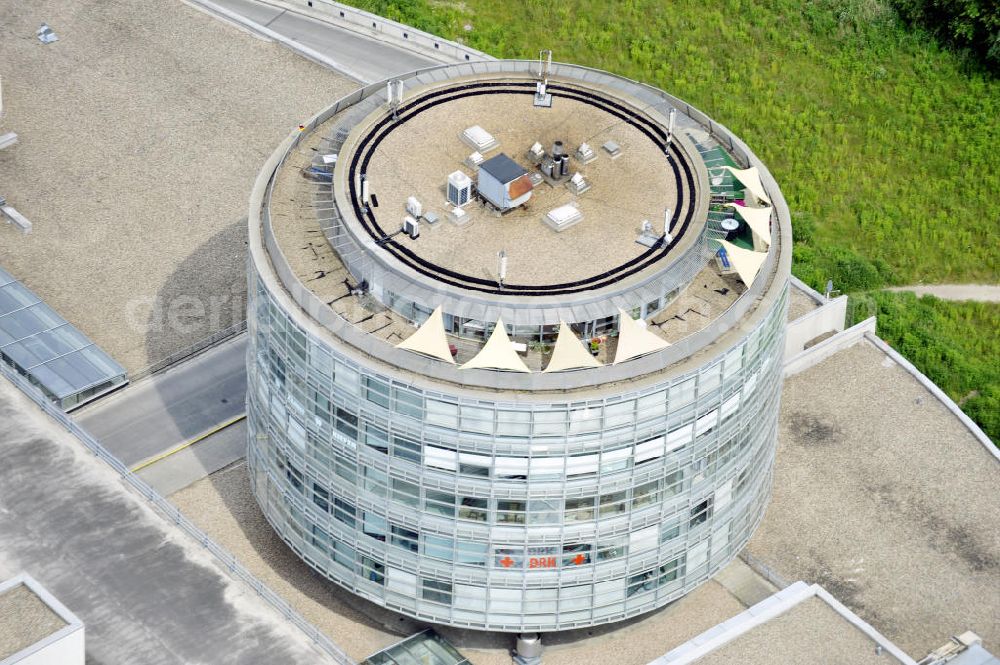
978, 292
170, 408
147, 593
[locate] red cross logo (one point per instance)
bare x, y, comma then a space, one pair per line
506, 562
579, 559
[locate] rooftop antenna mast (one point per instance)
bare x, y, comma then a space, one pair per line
394, 93
543, 97
670, 131
544, 63
501, 267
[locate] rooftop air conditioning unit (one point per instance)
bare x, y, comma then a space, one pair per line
413, 207
459, 189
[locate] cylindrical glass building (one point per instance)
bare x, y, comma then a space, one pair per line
604, 451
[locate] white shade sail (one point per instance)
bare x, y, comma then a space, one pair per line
758, 219
746, 261
634, 340
570, 352
751, 180
429, 339
497, 353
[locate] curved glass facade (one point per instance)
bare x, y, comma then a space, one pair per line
499, 500
509, 515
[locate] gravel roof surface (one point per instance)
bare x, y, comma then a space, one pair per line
24, 620
883, 497
811, 632
416, 158
141, 132
799, 303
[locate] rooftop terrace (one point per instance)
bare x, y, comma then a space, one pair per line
305, 224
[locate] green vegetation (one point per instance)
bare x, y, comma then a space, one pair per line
954, 343
969, 25
887, 146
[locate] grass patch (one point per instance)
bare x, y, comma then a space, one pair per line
954, 343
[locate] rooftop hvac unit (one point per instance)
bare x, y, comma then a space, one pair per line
413, 207
459, 189
411, 227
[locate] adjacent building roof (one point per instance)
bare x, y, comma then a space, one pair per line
43, 345
30, 618
802, 624
503, 168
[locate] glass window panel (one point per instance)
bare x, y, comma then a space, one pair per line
580, 510
511, 467
473, 554
681, 394
619, 415
578, 465
377, 438
406, 448
510, 512
477, 419
409, 403
441, 458
547, 467
376, 391
473, 508
345, 377
550, 423
442, 414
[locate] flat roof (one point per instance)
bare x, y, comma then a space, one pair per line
137, 202
291, 216
886, 499
68, 500
43, 345
25, 619
799, 624
414, 155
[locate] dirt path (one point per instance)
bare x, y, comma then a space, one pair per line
980, 292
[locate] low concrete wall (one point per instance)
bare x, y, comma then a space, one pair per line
65, 646
842, 340
828, 317
377, 27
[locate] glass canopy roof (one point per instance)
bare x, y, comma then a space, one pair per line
44, 346
424, 648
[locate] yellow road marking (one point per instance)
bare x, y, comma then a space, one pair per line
188, 444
